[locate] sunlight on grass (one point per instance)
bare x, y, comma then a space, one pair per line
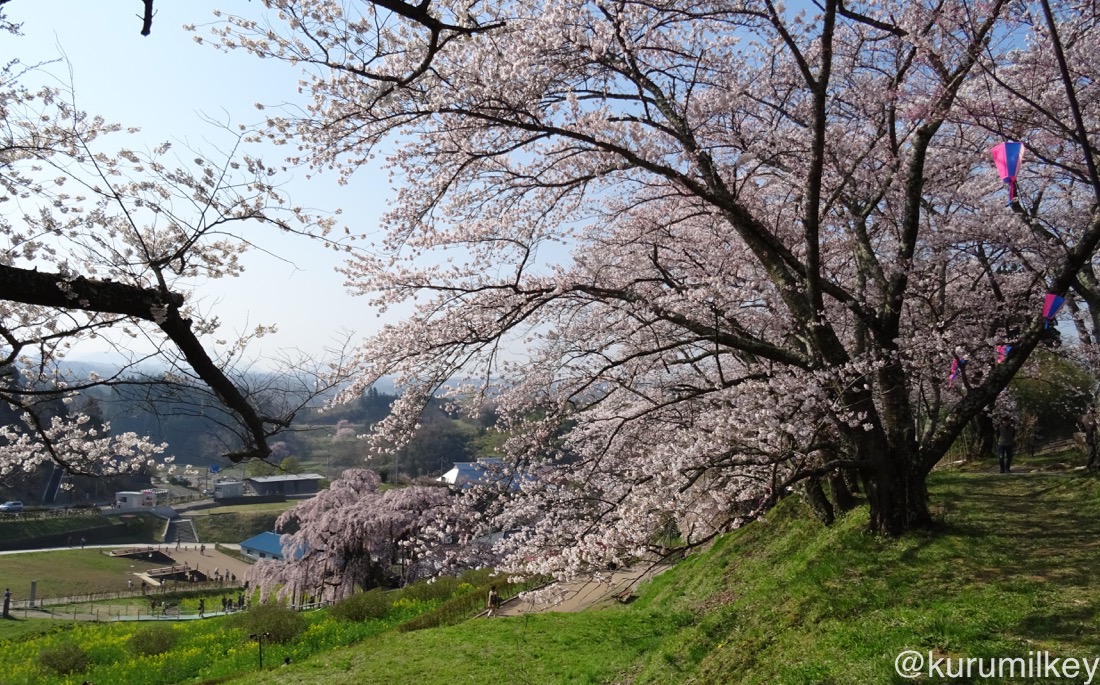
1011, 570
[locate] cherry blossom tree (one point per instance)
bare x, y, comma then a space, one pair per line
702, 254
354, 536
101, 241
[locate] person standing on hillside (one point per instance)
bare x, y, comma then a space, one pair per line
1088, 427
494, 600
1006, 441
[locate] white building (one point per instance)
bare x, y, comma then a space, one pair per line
228, 488
133, 499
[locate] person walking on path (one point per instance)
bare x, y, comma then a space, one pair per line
1006, 441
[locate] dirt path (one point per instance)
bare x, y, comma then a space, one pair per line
580, 594
208, 561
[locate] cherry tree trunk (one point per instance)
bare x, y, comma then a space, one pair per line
897, 491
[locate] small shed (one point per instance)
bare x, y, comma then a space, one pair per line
228, 488
286, 484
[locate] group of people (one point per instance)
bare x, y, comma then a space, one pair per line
229, 606
221, 578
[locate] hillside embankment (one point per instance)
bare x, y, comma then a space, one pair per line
1007, 581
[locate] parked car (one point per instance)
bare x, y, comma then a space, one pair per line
11, 506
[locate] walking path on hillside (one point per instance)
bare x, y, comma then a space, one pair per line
581, 594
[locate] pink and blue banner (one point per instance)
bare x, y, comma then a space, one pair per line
1051, 305
956, 366
1007, 156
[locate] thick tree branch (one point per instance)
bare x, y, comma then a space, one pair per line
147, 304
147, 18
58, 291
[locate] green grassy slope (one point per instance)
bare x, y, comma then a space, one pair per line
1012, 571
23, 526
233, 526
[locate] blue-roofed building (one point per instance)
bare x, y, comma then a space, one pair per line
484, 471
263, 546
478, 472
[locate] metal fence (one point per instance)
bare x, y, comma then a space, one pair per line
94, 606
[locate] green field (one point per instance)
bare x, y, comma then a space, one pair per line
67, 572
246, 509
1011, 571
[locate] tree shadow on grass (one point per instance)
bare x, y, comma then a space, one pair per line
1033, 534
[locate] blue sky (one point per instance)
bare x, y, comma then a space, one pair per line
166, 84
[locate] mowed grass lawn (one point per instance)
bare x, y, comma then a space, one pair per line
67, 572
233, 526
